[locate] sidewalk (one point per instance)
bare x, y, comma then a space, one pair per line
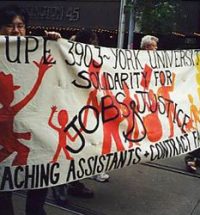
160, 188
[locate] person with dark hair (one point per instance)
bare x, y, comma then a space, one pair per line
87, 36
13, 22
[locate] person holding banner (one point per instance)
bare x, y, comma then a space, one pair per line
149, 42
13, 22
192, 159
77, 188
87, 36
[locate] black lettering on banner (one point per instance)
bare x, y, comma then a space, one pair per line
95, 80
83, 54
160, 59
110, 82
88, 56
45, 52
54, 177
124, 77
175, 148
109, 160
141, 107
7, 178
155, 151
81, 75
151, 61
96, 113
169, 58
122, 59
114, 161
126, 111
152, 100
167, 78
176, 58
107, 105
126, 59
81, 118
114, 51
196, 137
168, 106
71, 171
135, 117
170, 147
17, 58
131, 155
186, 120
161, 106
70, 52
121, 160
45, 174
89, 170
95, 165
27, 48
108, 156
100, 167
72, 125
137, 157
182, 58
80, 54
29, 176
37, 175
137, 61
18, 184
80, 173
188, 145
185, 147
100, 58
129, 58
31, 45
176, 116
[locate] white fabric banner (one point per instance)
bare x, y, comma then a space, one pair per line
70, 110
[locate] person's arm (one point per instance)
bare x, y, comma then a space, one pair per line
53, 35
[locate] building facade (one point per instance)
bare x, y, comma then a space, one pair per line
102, 16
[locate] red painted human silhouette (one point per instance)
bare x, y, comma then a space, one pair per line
111, 127
164, 91
112, 116
152, 123
62, 141
8, 137
194, 114
130, 117
138, 129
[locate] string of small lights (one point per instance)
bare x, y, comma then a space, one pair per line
109, 37
99, 30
